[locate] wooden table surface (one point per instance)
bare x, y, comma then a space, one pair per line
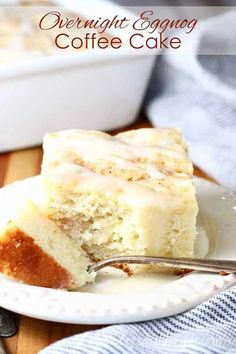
34, 335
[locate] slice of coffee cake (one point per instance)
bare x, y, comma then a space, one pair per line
35, 251
130, 194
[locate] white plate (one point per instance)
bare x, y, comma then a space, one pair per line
115, 298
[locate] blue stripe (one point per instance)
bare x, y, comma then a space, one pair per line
210, 328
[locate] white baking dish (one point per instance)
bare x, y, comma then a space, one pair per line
88, 90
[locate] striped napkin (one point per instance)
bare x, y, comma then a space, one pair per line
210, 328
197, 94
206, 118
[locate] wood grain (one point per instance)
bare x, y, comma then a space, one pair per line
34, 335
3, 167
22, 164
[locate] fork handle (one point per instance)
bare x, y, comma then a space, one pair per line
206, 265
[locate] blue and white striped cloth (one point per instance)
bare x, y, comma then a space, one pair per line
210, 328
206, 118
197, 94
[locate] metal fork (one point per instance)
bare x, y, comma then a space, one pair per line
205, 265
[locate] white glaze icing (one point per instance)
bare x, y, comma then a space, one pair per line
69, 155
